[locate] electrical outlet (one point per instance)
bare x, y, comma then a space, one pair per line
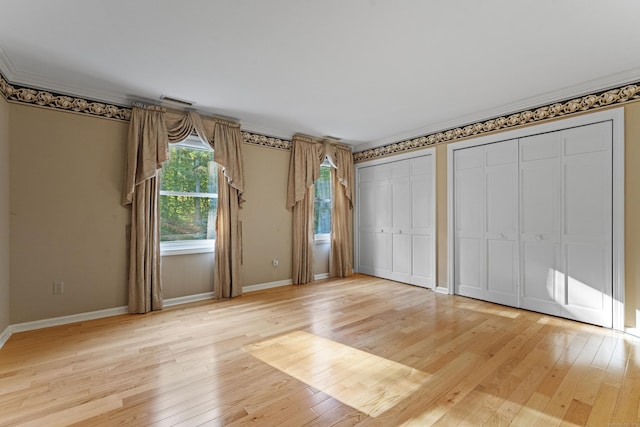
58, 288
275, 262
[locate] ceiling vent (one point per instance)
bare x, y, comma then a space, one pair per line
176, 100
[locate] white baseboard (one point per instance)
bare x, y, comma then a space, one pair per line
63, 320
261, 286
321, 276
189, 298
442, 290
632, 331
5, 335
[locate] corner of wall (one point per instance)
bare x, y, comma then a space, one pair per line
4, 221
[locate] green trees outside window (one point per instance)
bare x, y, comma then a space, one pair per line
188, 194
322, 219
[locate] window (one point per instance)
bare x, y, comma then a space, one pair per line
322, 220
188, 199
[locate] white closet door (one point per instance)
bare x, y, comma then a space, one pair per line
501, 222
566, 209
422, 222
586, 230
396, 220
468, 222
486, 222
540, 195
401, 221
374, 220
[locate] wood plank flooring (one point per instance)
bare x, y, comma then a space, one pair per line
294, 355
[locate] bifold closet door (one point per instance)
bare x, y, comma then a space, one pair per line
374, 220
422, 222
396, 220
486, 222
401, 221
566, 194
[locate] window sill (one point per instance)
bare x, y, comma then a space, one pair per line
187, 247
321, 239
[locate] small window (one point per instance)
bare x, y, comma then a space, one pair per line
322, 220
188, 198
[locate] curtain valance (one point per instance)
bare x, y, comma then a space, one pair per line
153, 128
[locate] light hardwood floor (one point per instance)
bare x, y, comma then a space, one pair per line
395, 353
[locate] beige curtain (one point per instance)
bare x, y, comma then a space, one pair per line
341, 254
228, 257
304, 169
147, 149
307, 154
150, 131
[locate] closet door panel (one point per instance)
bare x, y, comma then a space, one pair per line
586, 237
587, 273
540, 197
468, 267
469, 222
540, 277
401, 257
501, 222
421, 257
502, 272
366, 254
422, 221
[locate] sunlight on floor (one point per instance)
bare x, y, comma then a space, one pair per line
366, 382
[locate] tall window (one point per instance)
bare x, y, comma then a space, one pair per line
322, 220
188, 196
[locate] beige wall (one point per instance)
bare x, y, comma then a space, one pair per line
632, 213
266, 221
67, 222
184, 275
4, 215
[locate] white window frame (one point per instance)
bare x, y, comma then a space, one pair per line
324, 238
186, 247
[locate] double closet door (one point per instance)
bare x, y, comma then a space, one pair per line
533, 221
396, 221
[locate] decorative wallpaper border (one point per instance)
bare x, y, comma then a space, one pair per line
266, 141
607, 98
57, 101
617, 96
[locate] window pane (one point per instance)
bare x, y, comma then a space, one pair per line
187, 218
189, 169
322, 220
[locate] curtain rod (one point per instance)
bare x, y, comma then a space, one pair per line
322, 140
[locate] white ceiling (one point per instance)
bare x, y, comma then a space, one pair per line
369, 72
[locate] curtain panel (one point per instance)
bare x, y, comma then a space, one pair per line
307, 154
341, 252
151, 129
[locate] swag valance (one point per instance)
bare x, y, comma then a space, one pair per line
151, 129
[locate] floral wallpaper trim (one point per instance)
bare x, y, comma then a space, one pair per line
266, 141
44, 98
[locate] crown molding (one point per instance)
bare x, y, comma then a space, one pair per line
608, 98
593, 86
